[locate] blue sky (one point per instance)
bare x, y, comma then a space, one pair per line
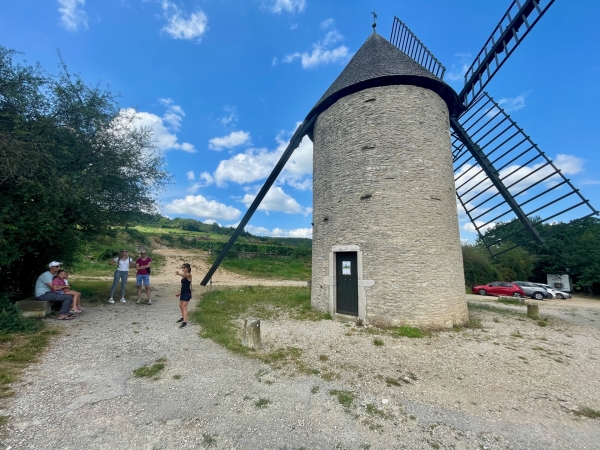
224, 83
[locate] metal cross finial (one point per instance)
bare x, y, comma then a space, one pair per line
374, 21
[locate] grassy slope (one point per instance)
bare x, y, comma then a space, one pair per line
94, 256
274, 268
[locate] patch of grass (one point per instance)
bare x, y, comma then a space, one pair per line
329, 376
517, 334
323, 357
509, 301
542, 323
392, 382
378, 342
345, 398
408, 331
262, 403
150, 371
208, 440
373, 426
177, 377
473, 306
374, 411
473, 324
17, 351
314, 389
281, 268
281, 357
220, 309
587, 412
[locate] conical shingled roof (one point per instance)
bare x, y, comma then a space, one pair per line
379, 63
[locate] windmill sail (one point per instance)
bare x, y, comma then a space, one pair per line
516, 23
501, 174
410, 44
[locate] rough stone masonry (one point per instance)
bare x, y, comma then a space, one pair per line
384, 188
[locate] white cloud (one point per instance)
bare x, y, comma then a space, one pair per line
291, 6
191, 176
174, 114
278, 232
274, 61
205, 179
299, 165
326, 23
233, 139
163, 138
459, 67
277, 200
231, 117
179, 27
322, 52
256, 164
471, 228
509, 105
252, 165
198, 206
72, 14
513, 104
332, 37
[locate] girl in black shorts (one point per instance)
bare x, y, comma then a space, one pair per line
186, 292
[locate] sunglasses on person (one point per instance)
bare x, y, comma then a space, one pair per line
143, 253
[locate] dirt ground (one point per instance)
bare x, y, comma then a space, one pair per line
509, 384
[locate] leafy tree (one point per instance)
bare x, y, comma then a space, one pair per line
71, 162
478, 265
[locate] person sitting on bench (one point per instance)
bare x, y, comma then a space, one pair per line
44, 291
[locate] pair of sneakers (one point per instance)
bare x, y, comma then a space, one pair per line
140, 301
111, 300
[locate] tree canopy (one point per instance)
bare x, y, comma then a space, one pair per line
72, 162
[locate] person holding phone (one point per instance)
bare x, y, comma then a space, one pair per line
142, 277
123, 263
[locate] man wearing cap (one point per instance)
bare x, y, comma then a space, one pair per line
43, 291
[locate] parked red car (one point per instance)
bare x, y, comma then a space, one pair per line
499, 289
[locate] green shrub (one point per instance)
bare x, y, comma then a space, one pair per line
11, 320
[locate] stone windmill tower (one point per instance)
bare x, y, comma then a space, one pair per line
395, 149
385, 230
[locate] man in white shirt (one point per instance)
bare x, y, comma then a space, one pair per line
43, 291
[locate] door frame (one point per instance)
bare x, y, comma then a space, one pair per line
330, 281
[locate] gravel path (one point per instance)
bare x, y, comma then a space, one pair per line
471, 389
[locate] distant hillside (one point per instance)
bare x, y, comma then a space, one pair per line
160, 222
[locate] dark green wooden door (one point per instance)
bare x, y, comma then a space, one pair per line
346, 276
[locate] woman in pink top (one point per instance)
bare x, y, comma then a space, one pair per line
60, 285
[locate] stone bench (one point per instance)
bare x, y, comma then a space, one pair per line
31, 307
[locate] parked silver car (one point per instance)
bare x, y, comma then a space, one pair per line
533, 290
555, 293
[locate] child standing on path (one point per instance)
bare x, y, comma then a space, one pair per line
123, 263
185, 295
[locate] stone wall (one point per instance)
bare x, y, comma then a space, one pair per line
383, 181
